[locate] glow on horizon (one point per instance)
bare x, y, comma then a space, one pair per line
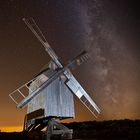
11, 128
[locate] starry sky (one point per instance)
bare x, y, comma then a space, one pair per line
109, 30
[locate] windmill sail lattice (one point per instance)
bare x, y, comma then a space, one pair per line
69, 80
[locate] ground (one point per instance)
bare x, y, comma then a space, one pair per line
117, 129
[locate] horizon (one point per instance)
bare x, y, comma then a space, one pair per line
20, 128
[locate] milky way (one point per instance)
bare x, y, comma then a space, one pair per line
114, 67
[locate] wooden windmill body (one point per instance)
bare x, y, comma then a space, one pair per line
50, 94
56, 99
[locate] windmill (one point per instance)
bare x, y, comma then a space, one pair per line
49, 95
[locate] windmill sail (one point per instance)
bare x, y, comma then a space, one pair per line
47, 82
70, 80
21, 93
77, 89
37, 32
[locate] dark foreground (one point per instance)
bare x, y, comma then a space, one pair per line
109, 130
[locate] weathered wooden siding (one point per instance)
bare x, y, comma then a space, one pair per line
56, 99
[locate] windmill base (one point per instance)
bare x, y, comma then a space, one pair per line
58, 130
53, 129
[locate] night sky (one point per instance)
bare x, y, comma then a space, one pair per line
109, 30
